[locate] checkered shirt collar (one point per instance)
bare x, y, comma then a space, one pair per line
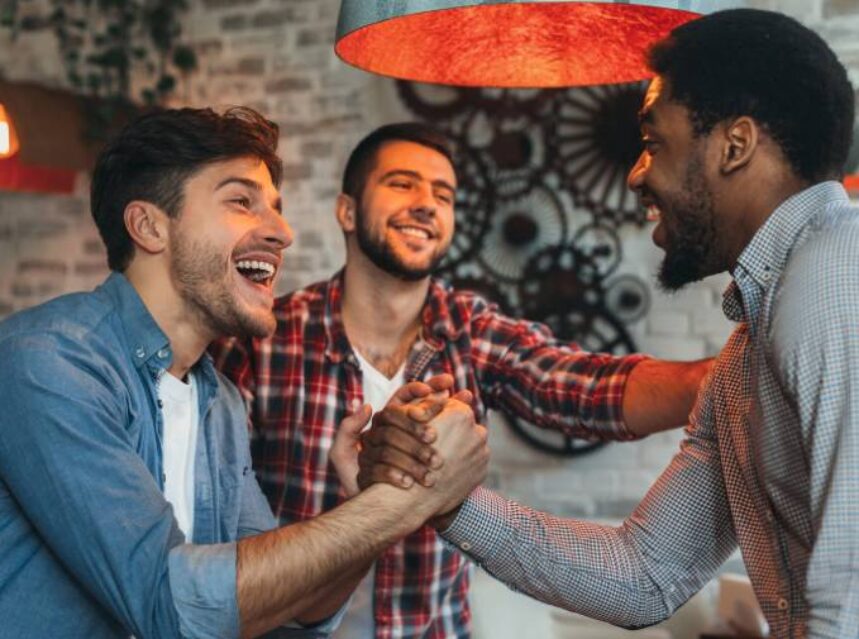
766, 255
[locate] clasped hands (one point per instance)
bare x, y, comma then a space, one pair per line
426, 440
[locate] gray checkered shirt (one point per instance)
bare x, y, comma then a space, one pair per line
770, 461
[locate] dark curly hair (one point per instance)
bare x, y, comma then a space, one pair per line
767, 66
152, 158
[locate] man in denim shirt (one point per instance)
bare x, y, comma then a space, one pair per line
91, 542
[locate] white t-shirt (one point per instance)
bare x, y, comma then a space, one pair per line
179, 444
358, 620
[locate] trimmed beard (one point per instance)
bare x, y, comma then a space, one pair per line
691, 244
380, 253
198, 270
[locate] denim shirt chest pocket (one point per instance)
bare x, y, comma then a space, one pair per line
221, 466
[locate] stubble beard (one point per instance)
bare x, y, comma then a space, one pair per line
203, 284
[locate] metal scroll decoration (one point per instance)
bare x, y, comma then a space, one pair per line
542, 195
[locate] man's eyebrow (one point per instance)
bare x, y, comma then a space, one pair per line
417, 176
251, 184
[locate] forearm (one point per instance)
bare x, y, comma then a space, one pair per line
659, 395
331, 597
632, 575
280, 574
583, 567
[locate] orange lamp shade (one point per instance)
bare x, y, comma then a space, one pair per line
9, 144
506, 44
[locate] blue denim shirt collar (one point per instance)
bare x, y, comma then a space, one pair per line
147, 342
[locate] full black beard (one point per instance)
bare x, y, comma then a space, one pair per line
691, 246
384, 258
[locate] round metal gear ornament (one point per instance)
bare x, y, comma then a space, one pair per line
596, 140
518, 230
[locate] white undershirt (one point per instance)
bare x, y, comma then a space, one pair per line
180, 411
358, 620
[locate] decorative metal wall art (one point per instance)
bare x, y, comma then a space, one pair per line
542, 195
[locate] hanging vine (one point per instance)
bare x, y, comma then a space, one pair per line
119, 53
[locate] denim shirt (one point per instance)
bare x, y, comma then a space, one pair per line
89, 547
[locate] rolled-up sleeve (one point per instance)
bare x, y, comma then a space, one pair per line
68, 458
551, 384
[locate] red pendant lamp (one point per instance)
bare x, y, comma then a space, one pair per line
499, 43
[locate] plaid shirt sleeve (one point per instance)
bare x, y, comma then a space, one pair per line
815, 344
633, 575
524, 370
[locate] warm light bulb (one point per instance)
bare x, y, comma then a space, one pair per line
8, 138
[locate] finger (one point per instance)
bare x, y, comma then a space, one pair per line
405, 442
390, 456
410, 392
383, 474
353, 424
423, 411
443, 382
398, 416
464, 396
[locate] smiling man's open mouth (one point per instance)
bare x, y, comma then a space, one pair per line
415, 231
257, 271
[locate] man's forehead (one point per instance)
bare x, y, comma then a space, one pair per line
655, 95
411, 156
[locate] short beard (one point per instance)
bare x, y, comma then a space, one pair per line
380, 253
691, 245
198, 271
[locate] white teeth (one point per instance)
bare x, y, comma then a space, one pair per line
415, 232
256, 265
653, 213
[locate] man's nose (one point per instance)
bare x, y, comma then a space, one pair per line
280, 232
635, 178
424, 208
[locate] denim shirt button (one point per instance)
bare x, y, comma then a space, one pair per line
140, 353
163, 353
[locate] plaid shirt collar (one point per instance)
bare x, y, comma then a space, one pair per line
765, 256
440, 321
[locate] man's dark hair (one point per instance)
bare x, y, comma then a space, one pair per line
155, 155
363, 158
771, 68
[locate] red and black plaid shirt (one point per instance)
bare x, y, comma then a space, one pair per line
304, 380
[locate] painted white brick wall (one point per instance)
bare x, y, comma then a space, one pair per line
277, 56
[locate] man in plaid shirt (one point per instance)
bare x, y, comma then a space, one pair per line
384, 320
746, 127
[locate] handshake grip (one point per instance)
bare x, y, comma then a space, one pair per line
424, 440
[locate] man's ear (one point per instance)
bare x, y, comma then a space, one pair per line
345, 210
147, 226
739, 144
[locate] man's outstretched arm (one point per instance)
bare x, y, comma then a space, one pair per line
522, 369
659, 395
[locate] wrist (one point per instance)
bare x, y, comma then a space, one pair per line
410, 507
445, 520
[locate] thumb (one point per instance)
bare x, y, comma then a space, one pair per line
353, 424
344, 450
